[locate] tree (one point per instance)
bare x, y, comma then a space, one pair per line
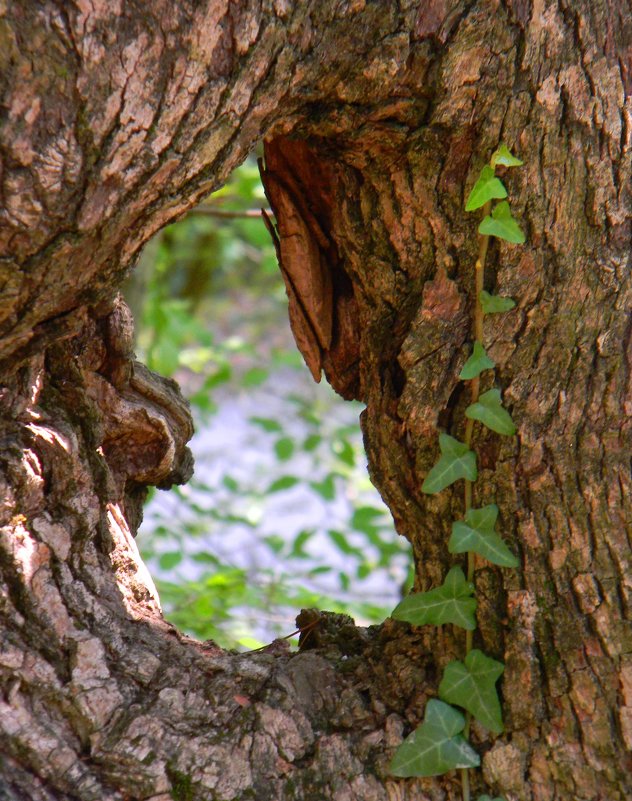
117, 118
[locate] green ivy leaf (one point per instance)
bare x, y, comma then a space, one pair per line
488, 187
452, 602
456, 461
476, 533
478, 361
436, 746
489, 798
472, 685
505, 158
493, 304
501, 224
490, 411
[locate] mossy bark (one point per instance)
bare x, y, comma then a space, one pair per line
115, 120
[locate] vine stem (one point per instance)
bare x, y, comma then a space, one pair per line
475, 384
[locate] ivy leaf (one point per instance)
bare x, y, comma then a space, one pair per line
490, 411
489, 798
504, 157
501, 224
493, 304
472, 685
456, 461
488, 187
436, 746
476, 533
452, 602
478, 361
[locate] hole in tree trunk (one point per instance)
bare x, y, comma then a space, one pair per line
280, 513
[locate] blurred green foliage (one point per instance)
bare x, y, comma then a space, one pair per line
194, 284
211, 310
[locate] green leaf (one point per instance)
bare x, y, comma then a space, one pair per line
283, 483
205, 558
493, 304
318, 571
325, 488
476, 533
367, 518
284, 448
344, 451
505, 158
456, 461
230, 483
267, 424
489, 798
472, 685
364, 570
344, 546
165, 357
478, 361
486, 188
490, 411
298, 550
170, 559
275, 542
218, 377
254, 377
502, 225
436, 746
452, 602
312, 442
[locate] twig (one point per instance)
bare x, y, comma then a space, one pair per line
211, 211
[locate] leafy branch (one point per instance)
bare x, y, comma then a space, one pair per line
440, 744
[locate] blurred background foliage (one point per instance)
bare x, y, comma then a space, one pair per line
280, 514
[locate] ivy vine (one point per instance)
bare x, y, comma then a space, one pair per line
440, 744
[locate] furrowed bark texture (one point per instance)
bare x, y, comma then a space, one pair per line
117, 118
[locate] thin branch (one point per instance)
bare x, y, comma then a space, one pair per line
212, 211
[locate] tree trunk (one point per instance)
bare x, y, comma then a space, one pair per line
115, 120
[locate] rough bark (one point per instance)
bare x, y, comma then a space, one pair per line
115, 119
